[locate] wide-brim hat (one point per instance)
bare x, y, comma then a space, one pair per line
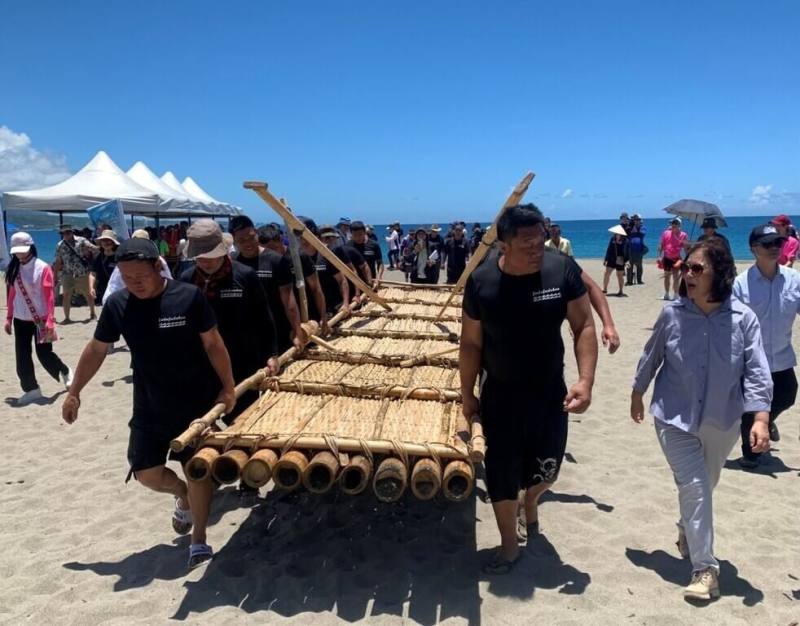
65, 228
435, 228
327, 231
21, 243
205, 240
110, 235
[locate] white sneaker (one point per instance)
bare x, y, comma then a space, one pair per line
29, 396
666, 296
66, 378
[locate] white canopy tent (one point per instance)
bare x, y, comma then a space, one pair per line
196, 190
173, 201
139, 191
100, 180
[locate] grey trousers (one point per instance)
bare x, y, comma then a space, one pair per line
696, 460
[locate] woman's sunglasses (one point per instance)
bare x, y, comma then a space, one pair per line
695, 268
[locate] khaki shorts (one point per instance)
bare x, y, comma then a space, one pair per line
75, 284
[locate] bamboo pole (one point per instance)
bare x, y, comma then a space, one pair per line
397, 334
426, 478
390, 480
362, 358
396, 284
422, 358
458, 481
288, 471
258, 470
199, 466
355, 476
299, 279
455, 450
365, 391
261, 189
488, 238
199, 426
408, 316
477, 442
227, 467
320, 474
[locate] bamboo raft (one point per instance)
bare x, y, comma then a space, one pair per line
376, 406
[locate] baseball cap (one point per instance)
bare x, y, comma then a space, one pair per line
676, 220
621, 215
21, 243
238, 222
343, 220
326, 230
709, 222
782, 220
205, 240
766, 233
136, 249
65, 228
357, 225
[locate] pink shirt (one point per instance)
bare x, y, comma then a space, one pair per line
789, 251
672, 244
37, 277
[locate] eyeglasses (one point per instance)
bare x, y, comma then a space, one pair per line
776, 243
695, 268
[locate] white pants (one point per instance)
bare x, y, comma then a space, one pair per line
696, 460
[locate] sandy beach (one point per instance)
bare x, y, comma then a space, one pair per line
79, 546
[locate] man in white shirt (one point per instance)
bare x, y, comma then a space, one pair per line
556, 241
772, 291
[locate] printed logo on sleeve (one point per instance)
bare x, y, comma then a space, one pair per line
174, 321
552, 293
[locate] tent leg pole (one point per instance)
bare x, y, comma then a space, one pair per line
60, 219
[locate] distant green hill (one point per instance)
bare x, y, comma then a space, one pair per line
41, 220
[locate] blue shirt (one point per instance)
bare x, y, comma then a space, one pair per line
776, 303
636, 239
710, 368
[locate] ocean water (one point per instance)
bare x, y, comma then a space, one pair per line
589, 237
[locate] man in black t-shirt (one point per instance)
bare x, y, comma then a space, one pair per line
370, 250
180, 370
514, 306
315, 298
239, 303
456, 253
334, 284
275, 274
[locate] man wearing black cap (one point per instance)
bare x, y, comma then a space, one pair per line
370, 250
180, 369
514, 306
275, 273
773, 292
710, 230
239, 303
334, 284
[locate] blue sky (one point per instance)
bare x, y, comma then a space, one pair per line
415, 111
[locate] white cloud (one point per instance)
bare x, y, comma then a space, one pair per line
761, 194
24, 167
567, 193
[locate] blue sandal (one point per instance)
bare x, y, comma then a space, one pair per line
199, 553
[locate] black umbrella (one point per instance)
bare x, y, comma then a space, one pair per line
696, 211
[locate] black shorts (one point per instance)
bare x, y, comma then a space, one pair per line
526, 436
668, 263
148, 446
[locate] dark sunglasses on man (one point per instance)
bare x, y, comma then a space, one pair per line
775, 243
